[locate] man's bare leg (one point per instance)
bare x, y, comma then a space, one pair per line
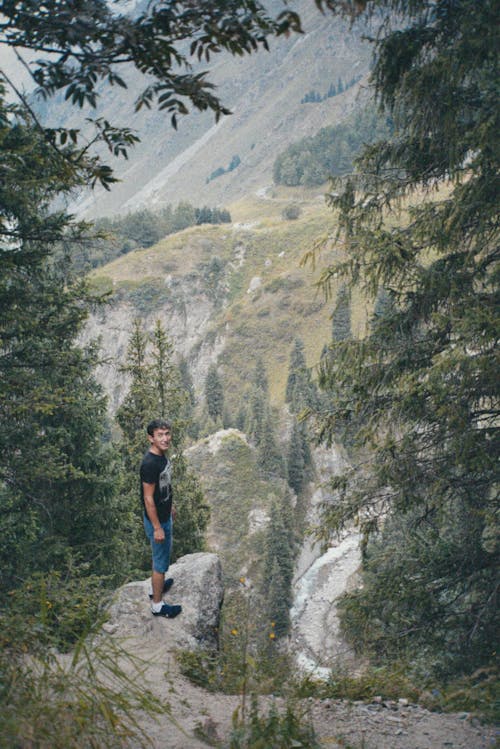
158, 581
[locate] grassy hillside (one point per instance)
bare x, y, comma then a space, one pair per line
249, 279
265, 93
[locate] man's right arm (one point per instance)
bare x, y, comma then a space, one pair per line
149, 504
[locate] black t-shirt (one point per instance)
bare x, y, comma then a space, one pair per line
157, 470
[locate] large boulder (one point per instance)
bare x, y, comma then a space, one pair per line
197, 587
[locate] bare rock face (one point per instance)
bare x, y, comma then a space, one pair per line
198, 587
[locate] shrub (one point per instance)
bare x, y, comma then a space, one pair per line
293, 728
291, 212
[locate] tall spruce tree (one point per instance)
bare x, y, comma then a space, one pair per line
260, 424
140, 403
301, 391
278, 567
270, 457
188, 416
278, 601
258, 403
423, 384
299, 459
214, 393
156, 390
56, 474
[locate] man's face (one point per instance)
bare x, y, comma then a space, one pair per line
160, 441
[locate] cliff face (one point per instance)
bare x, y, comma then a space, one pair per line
225, 294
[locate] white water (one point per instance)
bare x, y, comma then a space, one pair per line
316, 639
320, 579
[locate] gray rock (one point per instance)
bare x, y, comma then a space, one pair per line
198, 587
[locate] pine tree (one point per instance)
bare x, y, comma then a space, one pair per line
187, 411
214, 393
278, 568
260, 380
258, 405
192, 511
278, 610
139, 405
299, 459
156, 390
300, 390
269, 454
422, 386
56, 472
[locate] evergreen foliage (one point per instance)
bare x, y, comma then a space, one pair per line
332, 151
314, 97
192, 511
384, 307
214, 393
187, 409
206, 215
256, 414
341, 317
270, 458
421, 389
299, 459
56, 474
278, 568
257, 403
260, 424
156, 390
301, 392
235, 162
291, 212
117, 236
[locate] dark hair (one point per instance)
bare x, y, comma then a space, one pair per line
158, 424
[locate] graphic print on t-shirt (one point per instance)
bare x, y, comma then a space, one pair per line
164, 481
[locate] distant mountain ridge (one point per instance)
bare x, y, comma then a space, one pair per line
265, 92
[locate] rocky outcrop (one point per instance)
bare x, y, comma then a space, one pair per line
198, 587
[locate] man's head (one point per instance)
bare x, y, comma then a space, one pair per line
158, 424
159, 436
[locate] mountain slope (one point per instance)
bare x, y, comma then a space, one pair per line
226, 294
264, 92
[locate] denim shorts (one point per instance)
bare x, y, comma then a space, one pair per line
160, 551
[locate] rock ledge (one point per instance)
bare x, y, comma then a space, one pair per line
197, 587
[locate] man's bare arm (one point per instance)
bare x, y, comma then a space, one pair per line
149, 503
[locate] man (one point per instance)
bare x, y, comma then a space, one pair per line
156, 495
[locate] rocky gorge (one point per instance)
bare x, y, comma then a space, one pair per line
197, 718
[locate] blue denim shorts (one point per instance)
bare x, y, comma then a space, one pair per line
160, 551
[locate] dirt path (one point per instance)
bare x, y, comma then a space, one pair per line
197, 715
337, 723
